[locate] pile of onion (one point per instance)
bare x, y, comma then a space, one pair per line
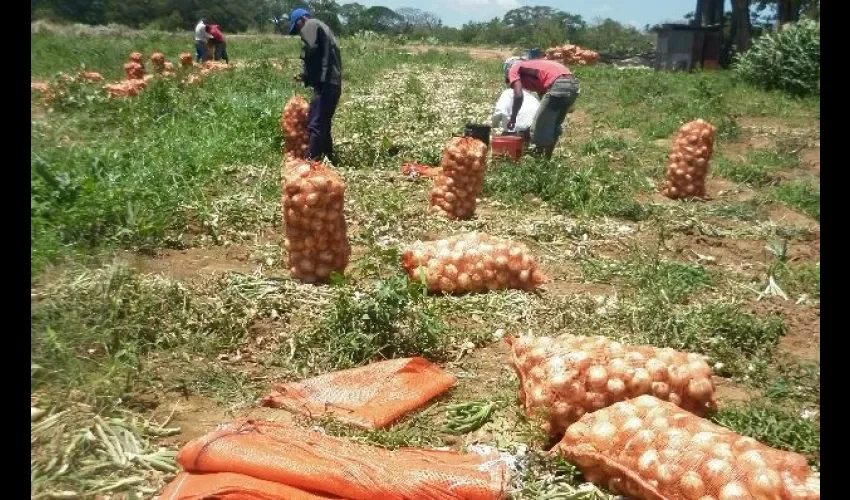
572, 54
316, 241
473, 262
293, 126
134, 70
648, 448
186, 59
126, 88
158, 62
91, 76
210, 66
456, 189
566, 377
689, 159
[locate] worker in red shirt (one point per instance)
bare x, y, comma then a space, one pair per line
218, 42
558, 89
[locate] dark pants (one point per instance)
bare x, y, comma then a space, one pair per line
322, 108
200, 49
220, 52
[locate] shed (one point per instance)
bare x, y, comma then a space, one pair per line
687, 47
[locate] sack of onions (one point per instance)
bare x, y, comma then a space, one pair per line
473, 262
158, 62
186, 59
456, 189
125, 88
316, 241
91, 76
566, 377
689, 159
293, 126
134, 71
648, 448
136, 57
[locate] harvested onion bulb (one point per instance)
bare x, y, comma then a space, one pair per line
689, 160
681, 463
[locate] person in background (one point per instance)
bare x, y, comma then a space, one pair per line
524, 119
323, 72
201, 37
558, 88
218, 42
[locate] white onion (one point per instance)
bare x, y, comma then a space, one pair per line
597, 377
647, 462
602, 433
734, 491
765, 483
691, 486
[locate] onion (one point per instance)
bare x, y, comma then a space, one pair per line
691, 486
765, 483
657, 369
734, 491
617, 367
717, 471
577, 433
648, 462
602, 434
704, 440
667, 473
700, 389
616, 388
597, 377
660, 390
632, 425
722, 450
745, 443
641, 382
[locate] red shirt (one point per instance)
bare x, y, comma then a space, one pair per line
215, 33
537, 75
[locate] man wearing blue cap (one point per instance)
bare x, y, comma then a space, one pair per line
323, 72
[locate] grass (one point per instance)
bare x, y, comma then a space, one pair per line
195, 169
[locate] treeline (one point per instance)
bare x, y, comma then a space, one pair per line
531, 26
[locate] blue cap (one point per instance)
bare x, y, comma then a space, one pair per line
295, 16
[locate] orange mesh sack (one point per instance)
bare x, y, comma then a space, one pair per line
457, 187
293, 125
371, 396
158, 62
647, 448
230, 486
316, 241
473, 262
565, 377
320, 464
186, 59
689, 159
134, 71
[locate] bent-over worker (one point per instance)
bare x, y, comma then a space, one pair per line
323, 72
218, 42
559, 90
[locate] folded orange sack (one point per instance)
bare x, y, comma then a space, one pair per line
230, 486
371, 396
310, 461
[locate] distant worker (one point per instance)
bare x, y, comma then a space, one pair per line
323, 72
524, 119
201, 37
218, 42
558, 88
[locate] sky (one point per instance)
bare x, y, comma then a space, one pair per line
637, 12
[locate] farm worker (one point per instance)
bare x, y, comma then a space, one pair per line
525, 117
558, 88
201, 37
218, 42
323, 72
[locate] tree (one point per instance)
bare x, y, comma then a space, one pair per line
352, 17
741, 24
381, 19
415, 19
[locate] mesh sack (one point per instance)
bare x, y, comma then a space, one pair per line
186, 60
458, 185
648, 448
473, 262
311, 461
316, 241
230, 486
563, 378
136, 57
134, 71
293, 126
158, 62
371, 396
689, 159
